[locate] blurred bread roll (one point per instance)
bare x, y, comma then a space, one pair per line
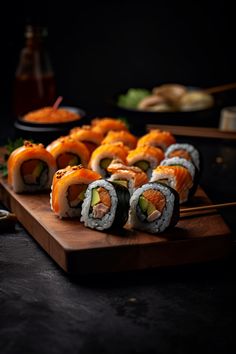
170, 92
195, 100
154, 103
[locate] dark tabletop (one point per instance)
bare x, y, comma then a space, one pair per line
188, 309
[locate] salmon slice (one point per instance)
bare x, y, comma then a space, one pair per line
90, 146
75, 191
29, 166
156, 198
32, 170
180, 153
67, 159
104, 196
182, 177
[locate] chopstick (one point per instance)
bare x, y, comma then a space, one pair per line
207, 207
220, 88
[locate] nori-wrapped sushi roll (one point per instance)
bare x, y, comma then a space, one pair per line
154, 207
105, 206
187, 151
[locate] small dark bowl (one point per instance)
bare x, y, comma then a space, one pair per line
47, 132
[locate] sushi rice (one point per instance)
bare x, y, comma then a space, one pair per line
86, 214
137, 218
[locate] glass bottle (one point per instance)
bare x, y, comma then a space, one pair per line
34, 85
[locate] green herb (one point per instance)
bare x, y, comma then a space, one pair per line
132, 98
14, 144
9, 147
3, 170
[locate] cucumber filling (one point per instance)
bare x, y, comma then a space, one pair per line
104, 163
144, 165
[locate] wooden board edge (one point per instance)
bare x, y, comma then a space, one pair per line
144, 256
35, 229
149, 256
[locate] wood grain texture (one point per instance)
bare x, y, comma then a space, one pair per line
81, 250
199, 132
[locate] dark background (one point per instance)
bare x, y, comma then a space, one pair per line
100, 48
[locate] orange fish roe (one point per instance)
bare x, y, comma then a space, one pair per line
51, 115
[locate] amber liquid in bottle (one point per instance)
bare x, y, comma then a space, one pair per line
34, 85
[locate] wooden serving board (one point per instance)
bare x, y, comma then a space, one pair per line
198, 132
77, 249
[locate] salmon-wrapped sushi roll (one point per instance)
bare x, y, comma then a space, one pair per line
188, 165
105, 206
154, 207
129, 176
68, 152
91, 138
104, 154
68, 190
176, 177
123, 136
186, 151
145, 157
157, 138
104, 125
30, 168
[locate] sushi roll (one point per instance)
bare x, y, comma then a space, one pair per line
154, 207
69, 152
192, 169
129, 176
104, 125
187, 151
105, 206
157, 138
30, 168
68, 190
176, 177
104, 154
145, 157
88, 136
122, 136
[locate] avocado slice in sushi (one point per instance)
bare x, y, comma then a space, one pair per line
122, 182
143, 203
38, 169
95, 197
104, 163
146, 206
151, 208
144, 165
